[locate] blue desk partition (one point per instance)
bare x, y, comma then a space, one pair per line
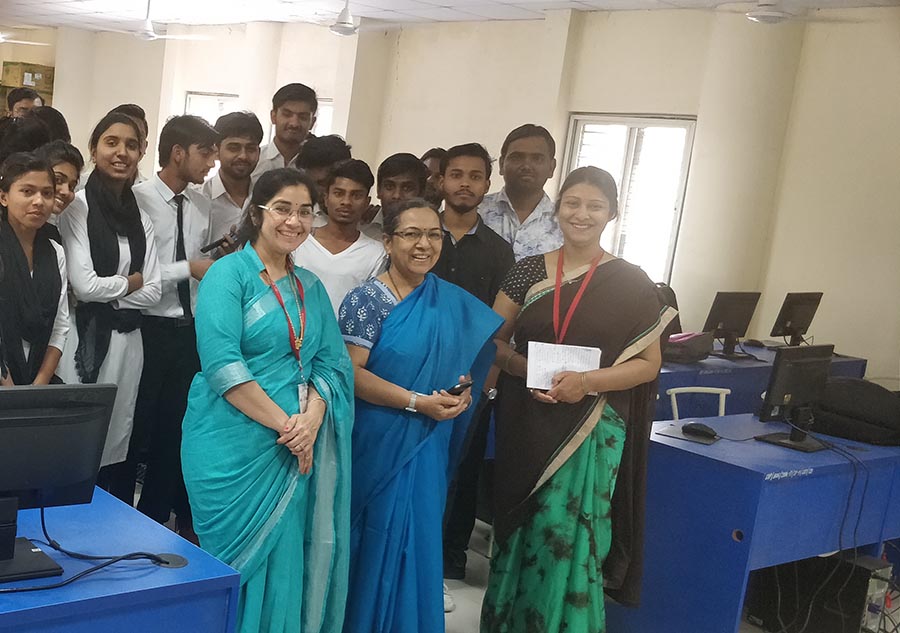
128, 597
717, 512
747, 379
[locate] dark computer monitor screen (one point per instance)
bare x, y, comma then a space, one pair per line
796, 315
798, 379
51, 442
730, 316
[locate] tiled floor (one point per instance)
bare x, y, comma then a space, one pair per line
468, 593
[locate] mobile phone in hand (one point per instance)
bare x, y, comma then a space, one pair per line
457, 390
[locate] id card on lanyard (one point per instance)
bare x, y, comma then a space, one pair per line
296, 342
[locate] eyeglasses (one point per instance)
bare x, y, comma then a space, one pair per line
414, 235
283, 211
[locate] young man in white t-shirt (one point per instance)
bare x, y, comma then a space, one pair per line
338, 253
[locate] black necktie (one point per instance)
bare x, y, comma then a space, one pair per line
184, 286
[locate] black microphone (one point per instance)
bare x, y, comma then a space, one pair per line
237, 235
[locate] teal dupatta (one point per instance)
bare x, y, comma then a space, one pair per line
286, 533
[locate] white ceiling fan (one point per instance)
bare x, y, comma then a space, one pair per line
6, 38
148, 33
344, 24
774, 12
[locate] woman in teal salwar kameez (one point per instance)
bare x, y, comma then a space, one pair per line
269, 485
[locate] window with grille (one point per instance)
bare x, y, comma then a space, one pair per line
648, 158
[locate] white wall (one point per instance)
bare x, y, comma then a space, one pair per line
251, 60
837, 208
98, 71
44, 55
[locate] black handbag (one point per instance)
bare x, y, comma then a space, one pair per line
858, 410
688, 348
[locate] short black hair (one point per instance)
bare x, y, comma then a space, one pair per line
476, 150
20, 94
24, 134
295, 92
434, 152
323, 151
391, 218
352, 169
404, 163
529, 130
55, 122
136, 112
185, 130
20, 163
239, 124
268, 185
59, 151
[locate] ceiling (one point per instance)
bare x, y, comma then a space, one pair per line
126, 14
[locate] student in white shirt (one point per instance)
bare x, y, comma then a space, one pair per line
34, 310
114, 273
400, 177
293, 115
181, 218
338, 253
229, 189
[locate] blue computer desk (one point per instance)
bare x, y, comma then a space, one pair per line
715, 513
746, 378
129, 597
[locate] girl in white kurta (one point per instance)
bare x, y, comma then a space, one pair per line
130, 287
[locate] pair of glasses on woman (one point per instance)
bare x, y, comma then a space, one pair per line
414, 235
284, 211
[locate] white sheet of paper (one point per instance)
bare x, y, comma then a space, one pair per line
545, 360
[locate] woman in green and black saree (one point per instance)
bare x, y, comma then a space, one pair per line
570, 465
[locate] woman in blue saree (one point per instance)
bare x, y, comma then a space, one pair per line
411, 336
268, 483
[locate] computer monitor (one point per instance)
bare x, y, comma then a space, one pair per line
796, 315
796, 384
728, 319
51, 442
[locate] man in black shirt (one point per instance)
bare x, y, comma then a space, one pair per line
475, 258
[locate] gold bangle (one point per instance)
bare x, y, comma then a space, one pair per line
311, 400
583, 383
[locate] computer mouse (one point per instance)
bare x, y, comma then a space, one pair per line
699, 429
753, 342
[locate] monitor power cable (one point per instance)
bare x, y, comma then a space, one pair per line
107, 561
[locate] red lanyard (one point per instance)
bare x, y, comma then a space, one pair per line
296, 342
561, 334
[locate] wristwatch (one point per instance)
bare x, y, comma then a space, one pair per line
491, 393
411, 407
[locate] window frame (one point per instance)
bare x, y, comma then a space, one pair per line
577, 123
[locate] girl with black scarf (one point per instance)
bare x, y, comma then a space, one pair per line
34, 311
114, 274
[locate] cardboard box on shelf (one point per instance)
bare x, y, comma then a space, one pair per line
27, 75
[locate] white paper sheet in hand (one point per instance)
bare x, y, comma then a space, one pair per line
545, 360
